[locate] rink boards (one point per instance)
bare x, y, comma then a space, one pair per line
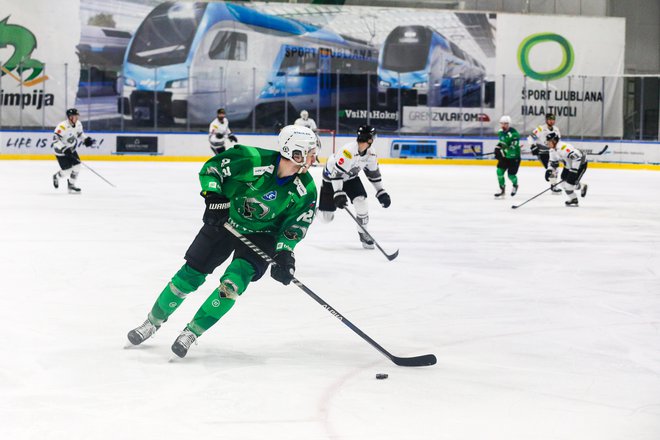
390, 149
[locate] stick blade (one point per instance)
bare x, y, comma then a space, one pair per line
514, 206
392, 256
417, 361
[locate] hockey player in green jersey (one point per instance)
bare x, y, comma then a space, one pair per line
507, 153
267, 196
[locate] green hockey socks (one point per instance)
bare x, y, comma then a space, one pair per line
232, 284
185, 281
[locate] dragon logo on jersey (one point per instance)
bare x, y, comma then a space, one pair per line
253, 208
270, 196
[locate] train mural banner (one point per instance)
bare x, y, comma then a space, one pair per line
136, 64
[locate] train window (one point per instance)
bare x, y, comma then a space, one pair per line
299, 61
229, 46
166, 35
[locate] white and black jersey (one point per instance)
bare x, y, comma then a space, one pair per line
571, 157
67, 136
347, 163
309, 123
538, 137
219, 132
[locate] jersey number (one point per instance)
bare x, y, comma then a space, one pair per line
306, 216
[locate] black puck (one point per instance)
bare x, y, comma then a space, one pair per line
381, 376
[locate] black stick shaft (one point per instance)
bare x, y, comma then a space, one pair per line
388, 256
542, 192
92, 170
412, 362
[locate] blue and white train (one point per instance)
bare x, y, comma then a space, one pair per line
423, 67
193, 58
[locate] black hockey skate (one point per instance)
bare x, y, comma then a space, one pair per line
514, 190
367, 242
501, 193
183, 342
73, 189
583, 190
572, 202
141, 333
555, 189
56, 180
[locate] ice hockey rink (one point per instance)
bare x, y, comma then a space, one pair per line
545, 320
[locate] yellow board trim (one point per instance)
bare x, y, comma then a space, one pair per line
387, 160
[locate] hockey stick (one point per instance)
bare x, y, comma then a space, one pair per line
600, 152
415, 361
542, 192
481, 154
388, 256
89, 168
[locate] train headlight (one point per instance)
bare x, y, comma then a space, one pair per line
179, 84
129, 82
421, 85
382, 83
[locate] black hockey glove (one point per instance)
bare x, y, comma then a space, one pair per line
88, 142
284, 267
384, 198
498, 153
233, 138
217, 209
534, 149
341, 199
548, 174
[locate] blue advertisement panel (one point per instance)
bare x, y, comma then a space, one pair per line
464, 148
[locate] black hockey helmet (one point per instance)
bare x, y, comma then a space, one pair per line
550, 116
552, 136
221, 110
365, 133
72, 112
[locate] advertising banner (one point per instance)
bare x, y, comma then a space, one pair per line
562, 65
35, 87
132, 64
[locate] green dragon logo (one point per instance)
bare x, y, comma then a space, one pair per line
24, 43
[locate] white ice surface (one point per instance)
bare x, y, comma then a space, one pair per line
545, 320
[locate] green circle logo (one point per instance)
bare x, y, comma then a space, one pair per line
560, 71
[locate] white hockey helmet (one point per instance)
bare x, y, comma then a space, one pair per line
505, 120
295, 143
304, 114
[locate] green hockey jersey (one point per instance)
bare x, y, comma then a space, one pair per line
260, 202
510, 142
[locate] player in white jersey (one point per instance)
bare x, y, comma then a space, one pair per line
219, 132
538, 145
67, 135
341, 180
306, 121
575, 164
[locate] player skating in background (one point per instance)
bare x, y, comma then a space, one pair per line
575, 165
538, 145
341, 180
219, 132
305, 121
265, 195
507, 153
67, 135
